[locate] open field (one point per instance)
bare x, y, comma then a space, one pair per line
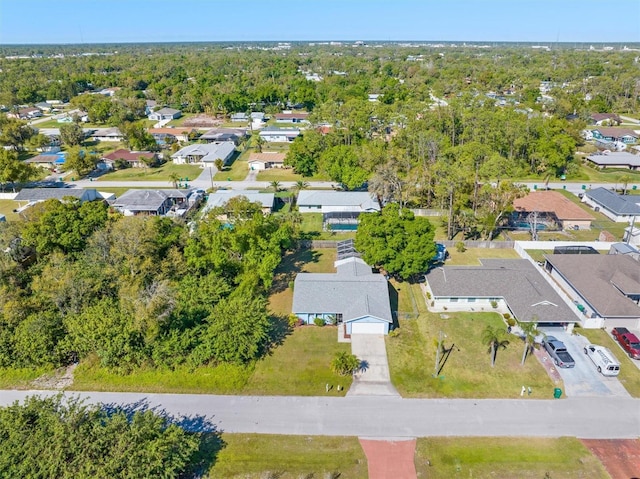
466, 371
506, 458
160, 173
629, 374
256, 456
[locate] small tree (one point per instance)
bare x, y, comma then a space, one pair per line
259, 143
495, 338
219, 164
344, 363
174, 177
529, 331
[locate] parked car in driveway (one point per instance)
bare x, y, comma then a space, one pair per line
605, 361
558, 352
629, 341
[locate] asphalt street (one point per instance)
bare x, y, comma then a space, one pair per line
388, 416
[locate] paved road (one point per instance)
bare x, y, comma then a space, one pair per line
203, 181
385, 416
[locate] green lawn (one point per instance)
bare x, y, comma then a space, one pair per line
19, 378
472, 256
160, 173
7, 207
629, 374
237, 170
301, 365
262, 456
506, 458
467, 373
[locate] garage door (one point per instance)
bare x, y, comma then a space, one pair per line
368, 328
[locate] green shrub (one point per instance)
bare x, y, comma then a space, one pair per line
293, 320
506, 316
494, 304
291, 283
511, 322
318, 321
460, 247
344, 363
428, 295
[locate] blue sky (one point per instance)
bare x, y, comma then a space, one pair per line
91, 21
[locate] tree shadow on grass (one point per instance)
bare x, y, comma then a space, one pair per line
210, 436
279, 329
292, 264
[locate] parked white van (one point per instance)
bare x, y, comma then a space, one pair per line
604, 360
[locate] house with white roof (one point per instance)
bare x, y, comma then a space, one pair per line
329, 201
221, 197
279, 135
165, 114
205, 154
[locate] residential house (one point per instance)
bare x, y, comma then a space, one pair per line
266, 160
554, 207
25, 113
615, 159
149, 106
623, 135
135, 159
164, 136
149, 202
290, 117
279, 135
107, 134
619, 208
353, 297
513, 285
205, 154
111, 91
28, 197
234, 135
50, 161
43, 106
221, 197
605, 288
165, 114
327, 201
604, 119
257, 116
374, 97
239, 118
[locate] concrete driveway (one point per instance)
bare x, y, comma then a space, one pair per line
584, 380
373, 378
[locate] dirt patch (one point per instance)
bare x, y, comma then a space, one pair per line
390, 459
620, 457
201, 121
62, 378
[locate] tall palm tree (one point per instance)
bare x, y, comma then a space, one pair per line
275, 184
174, 177
259, 143
530, 332
495, 338
298, 187
624, 179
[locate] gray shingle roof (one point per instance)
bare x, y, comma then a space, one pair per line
220, 197
618, 204
209, 152
615, 158
167, 111
526, 291
598, 279
145, 200
42, 194
361, 199
354, 291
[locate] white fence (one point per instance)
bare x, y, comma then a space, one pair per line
8, 196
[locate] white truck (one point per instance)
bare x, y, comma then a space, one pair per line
604, 360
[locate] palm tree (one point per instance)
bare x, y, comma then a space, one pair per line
174, 177
495, 338
275, 184
259, 142
298, 187
624, 179
530, 332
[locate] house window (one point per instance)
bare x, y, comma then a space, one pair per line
471, 300
453, 300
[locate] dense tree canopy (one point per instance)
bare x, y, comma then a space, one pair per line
62, 438
396, 241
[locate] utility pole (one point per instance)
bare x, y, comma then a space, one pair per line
441, 337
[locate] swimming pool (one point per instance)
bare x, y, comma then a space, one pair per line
342, 226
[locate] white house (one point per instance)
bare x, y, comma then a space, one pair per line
107, 134
204, 153
619, 208
221, 197
291, 117
279, 135
266, 160
327, 201
165, 114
